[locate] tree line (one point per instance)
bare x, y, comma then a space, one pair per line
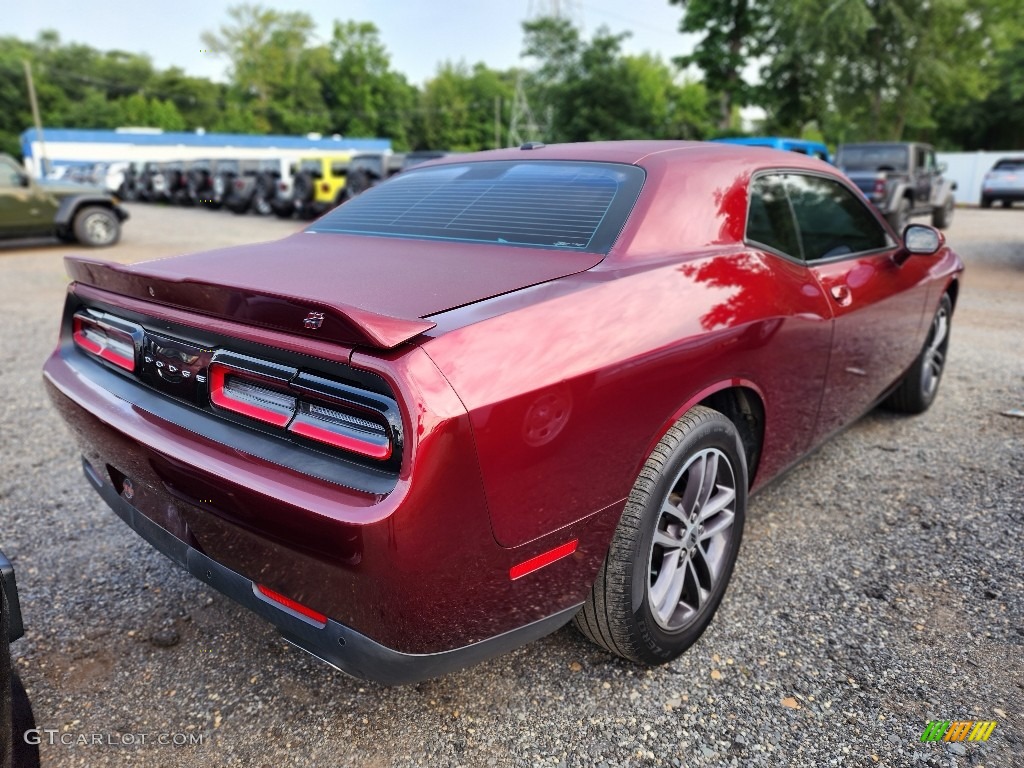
947, 71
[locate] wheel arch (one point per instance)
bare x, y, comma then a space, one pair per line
953, 289
742, 402
70, 205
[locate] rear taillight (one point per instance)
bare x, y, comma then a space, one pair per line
325, 187
115, 343
306, 405
342, 430
282, 186
250, 395
239, 184
879, 190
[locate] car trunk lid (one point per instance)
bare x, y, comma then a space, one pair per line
351, 289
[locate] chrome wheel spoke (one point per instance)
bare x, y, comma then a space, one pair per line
718, 525
692, 539
663, 586
717, 503
666, 540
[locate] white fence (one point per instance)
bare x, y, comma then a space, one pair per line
967, 169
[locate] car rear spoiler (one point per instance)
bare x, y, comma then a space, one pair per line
316, 319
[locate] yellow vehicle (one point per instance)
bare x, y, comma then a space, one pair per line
319, 183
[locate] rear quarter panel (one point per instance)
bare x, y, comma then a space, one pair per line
567, 395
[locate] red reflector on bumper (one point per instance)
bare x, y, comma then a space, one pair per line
538, 562
287, 602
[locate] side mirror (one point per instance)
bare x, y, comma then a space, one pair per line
919, 240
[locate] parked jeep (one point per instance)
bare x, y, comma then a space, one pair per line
901, 179
321, 183
256, 187
29, 208
370, 169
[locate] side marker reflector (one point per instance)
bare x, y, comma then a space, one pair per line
538, 562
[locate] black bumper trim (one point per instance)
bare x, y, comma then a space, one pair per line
343, 648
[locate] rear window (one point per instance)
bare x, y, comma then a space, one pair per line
874, 158
1016, 164
577, 206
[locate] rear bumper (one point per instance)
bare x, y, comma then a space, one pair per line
336, 644
410, 577
1003, 194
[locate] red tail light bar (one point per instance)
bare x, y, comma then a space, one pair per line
108, 338
306, 405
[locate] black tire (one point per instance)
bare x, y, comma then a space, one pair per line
916, 392
284, 209
900, 215
942, 216
1007, 203
618, 614
302, 189
358, 181
96, 227
986, 202
23, 755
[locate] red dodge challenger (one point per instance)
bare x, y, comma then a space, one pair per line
499, 392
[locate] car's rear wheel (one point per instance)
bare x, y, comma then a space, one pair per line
942, 216
1007, 203
676, 544
97, 227
919, 386
986, 202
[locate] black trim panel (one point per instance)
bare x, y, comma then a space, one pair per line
308, 461
345, 649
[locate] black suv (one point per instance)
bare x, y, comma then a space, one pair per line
901, 179
72, 212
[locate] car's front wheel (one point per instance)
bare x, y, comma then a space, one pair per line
676, 544
917, 390
97, 227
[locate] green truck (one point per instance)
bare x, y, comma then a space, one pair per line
71, 212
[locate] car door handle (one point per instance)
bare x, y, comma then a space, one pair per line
842, 295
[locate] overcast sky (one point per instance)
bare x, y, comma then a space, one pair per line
418, 35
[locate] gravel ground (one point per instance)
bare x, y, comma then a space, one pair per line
880, 586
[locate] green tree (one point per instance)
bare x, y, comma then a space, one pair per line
730, 31
273, 68
457, 108
592, 91
365, 96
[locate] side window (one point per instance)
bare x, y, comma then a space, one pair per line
339, 169
10, 176
921, 155
769, 219
833, 221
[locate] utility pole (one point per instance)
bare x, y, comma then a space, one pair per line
44, 161
523, 126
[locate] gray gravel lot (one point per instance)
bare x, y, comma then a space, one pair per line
880, 586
